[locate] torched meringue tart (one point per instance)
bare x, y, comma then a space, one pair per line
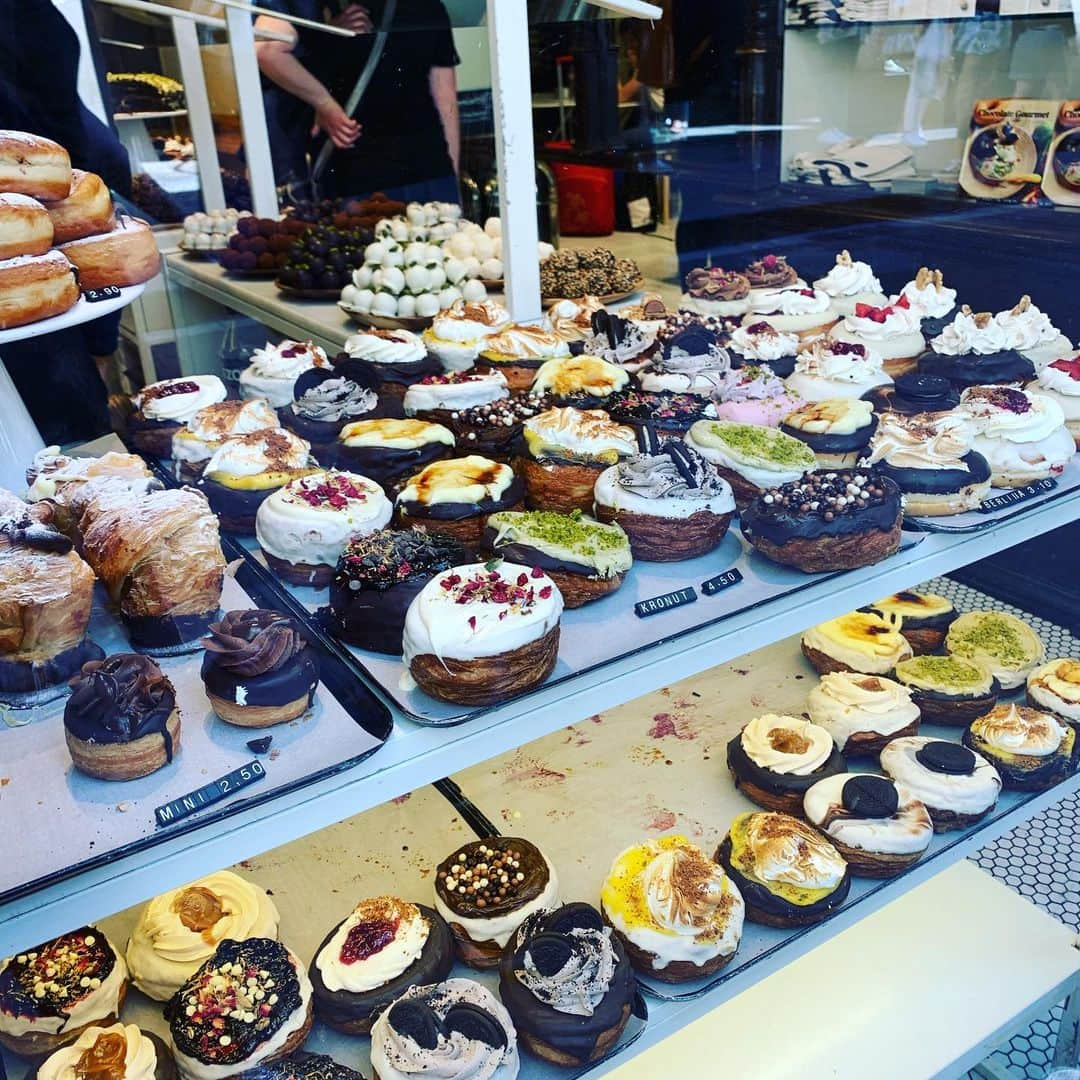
1031, 750
455, 1030
862, 712
247, 1005
876, 824
679, 916
957, 786
1055, 687
925, 618
50, 994
381, 948
487, 888
583, 381
948, 689
568, 985
1004, 643
787, 872
860, 641
116, 1052
775, 759
178, 930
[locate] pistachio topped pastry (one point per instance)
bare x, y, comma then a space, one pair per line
1006, 644
948, 689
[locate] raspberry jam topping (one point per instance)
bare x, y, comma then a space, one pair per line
1004, 397
1070, 367
807, 292
847, 348
367, 938
333, 490
760, 328
172, 389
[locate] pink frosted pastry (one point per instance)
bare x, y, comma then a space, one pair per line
754, 395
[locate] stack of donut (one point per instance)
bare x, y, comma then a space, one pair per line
58, 233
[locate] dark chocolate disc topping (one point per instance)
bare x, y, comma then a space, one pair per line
417, 1020
946, 757
870, 797
474, 1023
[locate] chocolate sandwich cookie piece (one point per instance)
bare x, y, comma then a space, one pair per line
913, 393
870, 797
302, 1066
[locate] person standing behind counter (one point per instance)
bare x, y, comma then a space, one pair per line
404, 137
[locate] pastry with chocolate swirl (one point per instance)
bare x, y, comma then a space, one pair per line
325, 400
1031, 750
487, 888
249, 1004
568, 983
50, 994
672, 504
121, 720
258, 668
677, 914
771, 273
712, 290
787, 872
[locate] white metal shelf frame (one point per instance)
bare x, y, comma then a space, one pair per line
416, 755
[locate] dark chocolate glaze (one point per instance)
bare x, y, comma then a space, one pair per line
526, 555
973, 369
914, 393
665, 411
199, 1036
119, 700
71, 958
163, 631
533, 866
574, 1035
236, 506
431, 966
322, 434
404, 374
938, 481
941, 621
386, 464
459, 511
759, 896
302, 1066
778, 523
278, 687
833, 444
744, 768
25, 676
25, 532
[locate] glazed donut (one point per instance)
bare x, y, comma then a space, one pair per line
85, 211
31, 165
35, 287
25, 228
126, 255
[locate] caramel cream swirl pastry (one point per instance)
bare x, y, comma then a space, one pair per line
876, 824
677, 913
117, 1052
787, 872
862, 712
1031, 750
774, 759
1006, 645
1055, 687
957, 786
53, 992
859, 641
579, 380
180, 929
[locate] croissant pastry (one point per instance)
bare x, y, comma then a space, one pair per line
160, 558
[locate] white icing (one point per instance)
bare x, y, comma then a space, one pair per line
908, 832
762, 346
473, 390
271, 373
461, 322
929, 301
821, 374
1048, 687
965, 335
793, 302
380, 967
848, 277
762, 738
386, 347
609, 492
847, 703
973, 793
180, 407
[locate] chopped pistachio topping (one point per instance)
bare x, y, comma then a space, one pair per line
995, 634
946, 674
750, 443
572, 537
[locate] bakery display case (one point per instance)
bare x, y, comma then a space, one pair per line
484, 651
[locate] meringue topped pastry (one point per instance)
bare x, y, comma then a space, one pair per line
179, 929
1031, 333
458, 333
194, 444
1055, 687
862, 712
519, 351
787, 872
860, 641
851, 282
713, 290
828, 369
162, 408
1031, 750
274, 369
1007, 645
579, 380
758, 342
803, 311
677, 913
928, 297
1060, 381
770, 273
892, 332
455, 1030
975, 349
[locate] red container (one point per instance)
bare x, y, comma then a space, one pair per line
586, 198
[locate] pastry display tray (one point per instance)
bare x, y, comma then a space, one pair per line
658, 765
314, 882
70, 822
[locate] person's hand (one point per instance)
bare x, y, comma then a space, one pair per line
331, 118
354, 17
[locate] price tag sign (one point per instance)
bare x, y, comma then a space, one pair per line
656, 604
106, 292
1018, 495
209, 794
721, 582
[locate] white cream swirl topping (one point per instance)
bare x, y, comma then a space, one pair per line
927, 295
581, 983
971, 333
381, 938
762, 343
386, 346
786, 745
1025, 326
287, 360
999, 412
884, 323
923, 441
840, 361
129, 1055
784, 850
179, 399
470, 320
849, 277
232, 418
1062, 376
272, 450
1018, 730
845, 703
792, 302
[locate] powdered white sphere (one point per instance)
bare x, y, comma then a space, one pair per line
349, 295
417, 279
417, 234
406, 306
364, 299
473, 290
483, 247
493, 226
491, 270
431, 213
472, 266
374, 252
427, 305
545, 250
384, 304
414, 252
458, 245
376, 279
436, 278
443, 231
393, 256
414, 213
393, 279
454, 269
448, 296
361, 276
384, 227
399, 230
449, 211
